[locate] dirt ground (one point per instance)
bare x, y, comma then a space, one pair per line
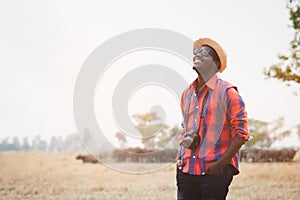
39, 175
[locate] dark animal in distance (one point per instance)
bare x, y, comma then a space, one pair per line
87, 158
267, 155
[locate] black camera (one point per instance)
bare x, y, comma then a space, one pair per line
191, 140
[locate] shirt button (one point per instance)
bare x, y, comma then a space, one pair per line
194, 156
196, 107
195, 94
195, 120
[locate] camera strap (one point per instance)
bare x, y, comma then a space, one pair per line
187, 109
186, 113
202, 106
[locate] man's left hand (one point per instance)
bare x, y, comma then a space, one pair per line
215, 168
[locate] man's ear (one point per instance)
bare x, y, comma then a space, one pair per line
218, 64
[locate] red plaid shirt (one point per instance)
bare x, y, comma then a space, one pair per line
223, 117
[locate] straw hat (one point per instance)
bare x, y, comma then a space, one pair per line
219, 50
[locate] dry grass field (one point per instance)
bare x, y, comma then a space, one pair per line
39, 175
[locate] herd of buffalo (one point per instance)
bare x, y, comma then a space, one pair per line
170, 155
267, 155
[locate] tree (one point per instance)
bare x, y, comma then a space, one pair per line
259, 132
298, 130
5, 145
26, 145
121, 138
277, 130
169, 136
149, 125
288, 69
16, 146
53, 144
71, 143
266, 133
39, 144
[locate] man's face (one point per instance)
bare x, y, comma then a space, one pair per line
204, 63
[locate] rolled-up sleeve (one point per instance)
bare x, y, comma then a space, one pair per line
237, 115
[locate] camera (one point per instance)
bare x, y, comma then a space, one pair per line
191, 140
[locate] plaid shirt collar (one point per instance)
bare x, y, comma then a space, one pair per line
211, 83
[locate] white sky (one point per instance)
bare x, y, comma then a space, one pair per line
44, 44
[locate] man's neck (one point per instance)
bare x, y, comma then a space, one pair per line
200, 84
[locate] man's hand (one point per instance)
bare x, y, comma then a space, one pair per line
215, 168
179, 164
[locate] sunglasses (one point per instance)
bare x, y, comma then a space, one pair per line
204, 51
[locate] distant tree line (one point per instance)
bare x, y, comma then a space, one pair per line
264, 135
70, 143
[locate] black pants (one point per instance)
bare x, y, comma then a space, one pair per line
207, 187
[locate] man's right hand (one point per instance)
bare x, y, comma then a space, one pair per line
179, 164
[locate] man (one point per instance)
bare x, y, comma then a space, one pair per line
214, 128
